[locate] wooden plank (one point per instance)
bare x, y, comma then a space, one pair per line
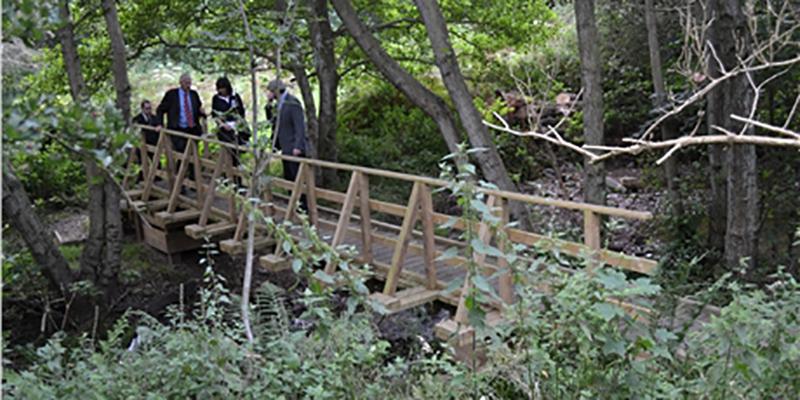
165, 218
591, 236
479, 258
428, 236
178, 185
168, 150
232, 179
274, 263
238, 247
402, 242
460, 334
406, 299
128, 166
198, 231
366, 218
620, 260
506, 280
148, 183
311, 196
297, 190
344, 217
212, 191
198, 169
145, 159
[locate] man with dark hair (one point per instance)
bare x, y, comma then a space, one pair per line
147, 118
288, 122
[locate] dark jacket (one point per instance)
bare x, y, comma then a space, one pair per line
292, 128
221, 108
171, 105
150, 135
230, 111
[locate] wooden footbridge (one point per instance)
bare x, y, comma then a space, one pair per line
177, 214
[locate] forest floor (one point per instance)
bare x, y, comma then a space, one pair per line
627, 187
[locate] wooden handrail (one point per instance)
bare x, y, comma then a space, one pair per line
525, 198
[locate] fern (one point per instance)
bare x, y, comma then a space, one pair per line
271, 320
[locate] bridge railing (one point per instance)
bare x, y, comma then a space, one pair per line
215, 214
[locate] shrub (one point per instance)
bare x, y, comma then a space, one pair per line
51, 176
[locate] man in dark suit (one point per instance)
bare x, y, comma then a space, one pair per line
288, 122
147, 118
183, 108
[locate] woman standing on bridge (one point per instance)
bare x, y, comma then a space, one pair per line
227, 108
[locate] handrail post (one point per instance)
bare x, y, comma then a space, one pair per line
311, 195
591, 236
366, 219
484, 235
428, 238
506, 280
145, 158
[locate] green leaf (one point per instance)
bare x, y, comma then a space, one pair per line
607, 311
482, 284
323, 277
614, 347
611, 279
448, 254
663, 335
297, 265
484, 248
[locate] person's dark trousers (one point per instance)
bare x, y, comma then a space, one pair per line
231, 137
150, 138
290, 169
179, 145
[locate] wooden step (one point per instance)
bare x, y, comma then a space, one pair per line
197, 231
460, 334
174, 219
237, 247
169, 242
405, 299
151, 206
274, 263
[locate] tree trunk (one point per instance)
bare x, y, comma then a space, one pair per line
69, 51
312, 124
19, 213
417, 93
588, 42
659, 101
322, 39
491, 164
118, 59
734, 176
112, 259
101, 253
93, 249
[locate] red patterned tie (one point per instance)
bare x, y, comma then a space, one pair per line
187, 109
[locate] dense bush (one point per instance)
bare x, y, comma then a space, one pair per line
51, 175
574, 342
